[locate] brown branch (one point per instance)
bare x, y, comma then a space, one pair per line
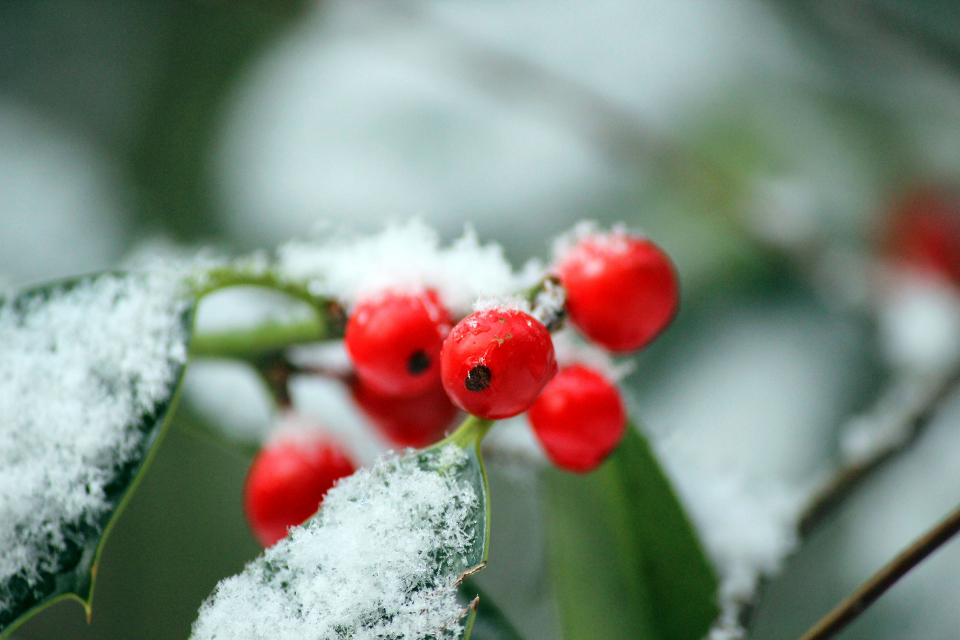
851, 608
852, 476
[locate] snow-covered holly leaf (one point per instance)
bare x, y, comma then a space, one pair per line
89, 371
627, 561
383, 558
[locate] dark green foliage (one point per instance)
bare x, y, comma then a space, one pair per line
627, 562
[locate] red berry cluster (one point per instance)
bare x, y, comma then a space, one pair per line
394, 341
622, 292
413, 368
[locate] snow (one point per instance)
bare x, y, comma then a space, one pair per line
583, 230
406, 257
919, 322
380, 560
82, 368
231, 397
546, 306
503, 303
742, 423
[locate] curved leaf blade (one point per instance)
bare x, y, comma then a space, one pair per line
627, 562
384, 557
89, 374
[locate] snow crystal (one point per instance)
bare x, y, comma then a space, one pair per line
83, 366
583, 230
503, 303
406, 257
546, 306
380, 560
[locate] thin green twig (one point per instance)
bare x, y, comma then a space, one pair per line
248, 344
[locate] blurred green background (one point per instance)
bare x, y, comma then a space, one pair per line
763, 144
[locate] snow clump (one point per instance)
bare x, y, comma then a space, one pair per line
406, 258
380, 560
86, 367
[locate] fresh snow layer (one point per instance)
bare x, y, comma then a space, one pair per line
82, 368
406, 258
380, 560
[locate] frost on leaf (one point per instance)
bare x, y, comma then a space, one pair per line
88, 370
380, 560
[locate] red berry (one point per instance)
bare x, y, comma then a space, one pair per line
287, 481
925, 232
622, 290
407, 421
496, 362
395, 340
579, 418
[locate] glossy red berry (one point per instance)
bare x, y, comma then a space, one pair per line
924, 232
496, 362
579, 418
287, 481
395, 339
407, 421
622, 290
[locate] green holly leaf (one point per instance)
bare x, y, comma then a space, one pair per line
89, 374
490, 623
627, 562
384, 557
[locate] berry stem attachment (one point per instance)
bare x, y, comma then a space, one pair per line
851, 608
548, 299
276, 370
471, 432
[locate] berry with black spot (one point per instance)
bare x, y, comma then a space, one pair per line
407, 421
579, 418
622, 290
394, 341
496, 362
288, 480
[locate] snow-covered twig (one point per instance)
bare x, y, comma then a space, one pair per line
870, 442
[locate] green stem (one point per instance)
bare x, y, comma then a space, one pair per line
224, 277
470, 432
246, 344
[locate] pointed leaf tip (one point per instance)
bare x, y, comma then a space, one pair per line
89, 373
